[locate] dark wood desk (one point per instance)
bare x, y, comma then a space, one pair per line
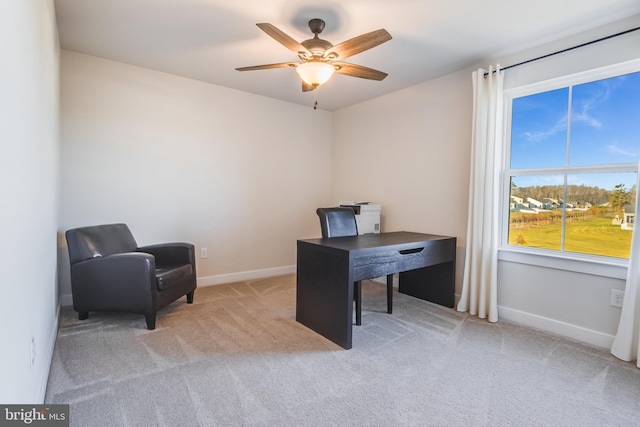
327, 269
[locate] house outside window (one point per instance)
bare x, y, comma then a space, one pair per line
571, 162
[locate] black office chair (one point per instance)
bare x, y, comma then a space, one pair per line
341, 222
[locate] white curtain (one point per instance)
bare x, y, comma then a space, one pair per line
479, 284
625, 344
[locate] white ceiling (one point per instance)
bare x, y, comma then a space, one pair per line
207, 39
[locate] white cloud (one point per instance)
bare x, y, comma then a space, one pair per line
584, 115
583, 112
614, 149
559, 126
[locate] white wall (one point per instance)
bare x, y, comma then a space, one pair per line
410, 152
29, 149
182, 160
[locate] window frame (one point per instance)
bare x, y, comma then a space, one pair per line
570, 261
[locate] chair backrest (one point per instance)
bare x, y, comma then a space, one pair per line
99, 240
337, 222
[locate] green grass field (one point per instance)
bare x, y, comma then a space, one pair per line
595, 236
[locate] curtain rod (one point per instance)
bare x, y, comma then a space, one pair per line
567, 49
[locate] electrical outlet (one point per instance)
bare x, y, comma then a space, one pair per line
204, 253
617, 297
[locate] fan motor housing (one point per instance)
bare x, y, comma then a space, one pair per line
317, 46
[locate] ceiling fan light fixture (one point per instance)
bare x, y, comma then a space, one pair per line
317, 56
315, 73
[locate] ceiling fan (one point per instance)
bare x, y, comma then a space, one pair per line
320, 59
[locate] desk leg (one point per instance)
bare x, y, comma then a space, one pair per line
324, 294
435, 283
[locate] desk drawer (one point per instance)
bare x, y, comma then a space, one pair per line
388, 260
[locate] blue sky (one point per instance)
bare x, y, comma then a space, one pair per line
605, 129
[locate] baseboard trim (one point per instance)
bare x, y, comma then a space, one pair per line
66, 300
568, 330
44, 381
383, 280
245, 275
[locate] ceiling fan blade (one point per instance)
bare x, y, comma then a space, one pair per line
306, 87
268, 66
282, 38
359, 44
354, 70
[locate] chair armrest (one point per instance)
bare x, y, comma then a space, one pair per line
167, 254
119, 282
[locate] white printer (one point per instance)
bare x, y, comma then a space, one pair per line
367, 216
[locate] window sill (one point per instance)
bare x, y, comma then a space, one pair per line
575, 262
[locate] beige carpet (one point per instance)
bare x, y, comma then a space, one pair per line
237, 357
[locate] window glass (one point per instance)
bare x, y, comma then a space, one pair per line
539, 130
535, 211
600, 211
572, 167
605, 121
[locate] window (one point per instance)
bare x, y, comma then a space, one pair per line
571, 164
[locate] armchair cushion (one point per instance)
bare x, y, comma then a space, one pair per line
174, 262
173, 275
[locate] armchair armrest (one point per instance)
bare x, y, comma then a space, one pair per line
167, 254
119, 282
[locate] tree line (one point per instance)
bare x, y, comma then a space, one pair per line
579, 194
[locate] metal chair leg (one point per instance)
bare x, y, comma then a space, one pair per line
389, 293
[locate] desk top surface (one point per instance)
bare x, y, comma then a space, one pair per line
367, 241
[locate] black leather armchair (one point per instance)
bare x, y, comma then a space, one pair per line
109, 272
341, 222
